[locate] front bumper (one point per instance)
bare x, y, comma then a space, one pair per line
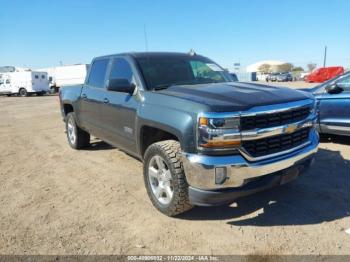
200, 169
201, 197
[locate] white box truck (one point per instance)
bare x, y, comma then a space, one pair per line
24, 83
65, 75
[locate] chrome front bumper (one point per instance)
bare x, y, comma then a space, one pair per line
200, 169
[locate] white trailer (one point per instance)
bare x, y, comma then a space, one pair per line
65, 75
24, 83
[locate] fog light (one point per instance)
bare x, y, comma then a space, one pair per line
220, 175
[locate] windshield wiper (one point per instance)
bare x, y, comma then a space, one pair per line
165, 86
160, 87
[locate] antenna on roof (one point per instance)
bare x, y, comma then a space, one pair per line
192, 52
145, 35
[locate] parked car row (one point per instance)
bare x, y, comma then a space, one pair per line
279, 77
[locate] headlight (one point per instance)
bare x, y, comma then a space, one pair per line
219, 133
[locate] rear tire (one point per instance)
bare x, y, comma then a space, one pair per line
165, 179
77, 137
23, 92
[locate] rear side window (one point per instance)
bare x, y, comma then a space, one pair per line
43, 76
98, 73
121, 70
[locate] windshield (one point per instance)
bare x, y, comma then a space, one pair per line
161, 72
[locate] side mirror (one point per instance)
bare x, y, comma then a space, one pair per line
121, 85
334, 89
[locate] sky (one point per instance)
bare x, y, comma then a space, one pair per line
40, 33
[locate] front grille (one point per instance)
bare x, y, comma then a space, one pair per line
275, 144
274, 119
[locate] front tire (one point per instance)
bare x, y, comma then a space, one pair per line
165, 179
77, 137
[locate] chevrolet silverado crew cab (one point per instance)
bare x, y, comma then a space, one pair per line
203, 139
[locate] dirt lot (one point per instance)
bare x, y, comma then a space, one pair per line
54, 200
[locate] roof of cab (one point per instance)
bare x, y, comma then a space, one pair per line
147, 54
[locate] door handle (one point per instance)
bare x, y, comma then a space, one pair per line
106, 101
84, 96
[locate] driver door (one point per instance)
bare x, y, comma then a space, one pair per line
335, 108
119, 112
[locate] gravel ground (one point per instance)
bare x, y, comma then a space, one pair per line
54, 200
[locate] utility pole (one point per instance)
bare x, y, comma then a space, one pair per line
325, 56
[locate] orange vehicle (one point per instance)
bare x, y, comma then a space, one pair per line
324, 73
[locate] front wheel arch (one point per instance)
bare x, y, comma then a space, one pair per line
150, 135
67, 108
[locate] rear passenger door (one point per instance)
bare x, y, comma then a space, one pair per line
92, 98
119, 113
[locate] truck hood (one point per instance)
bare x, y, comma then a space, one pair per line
308, 89
234, 96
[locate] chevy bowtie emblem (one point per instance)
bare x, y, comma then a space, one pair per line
290, 129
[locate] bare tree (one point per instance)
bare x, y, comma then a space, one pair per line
311, 66
265, 68
286, 67
298, 69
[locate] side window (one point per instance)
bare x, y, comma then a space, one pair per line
8, 81
344, 83
98, 73
43, 76
36, 77
121, 70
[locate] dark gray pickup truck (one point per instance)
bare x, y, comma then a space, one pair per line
203, 139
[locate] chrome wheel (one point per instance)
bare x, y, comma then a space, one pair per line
160, 180
71, 130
